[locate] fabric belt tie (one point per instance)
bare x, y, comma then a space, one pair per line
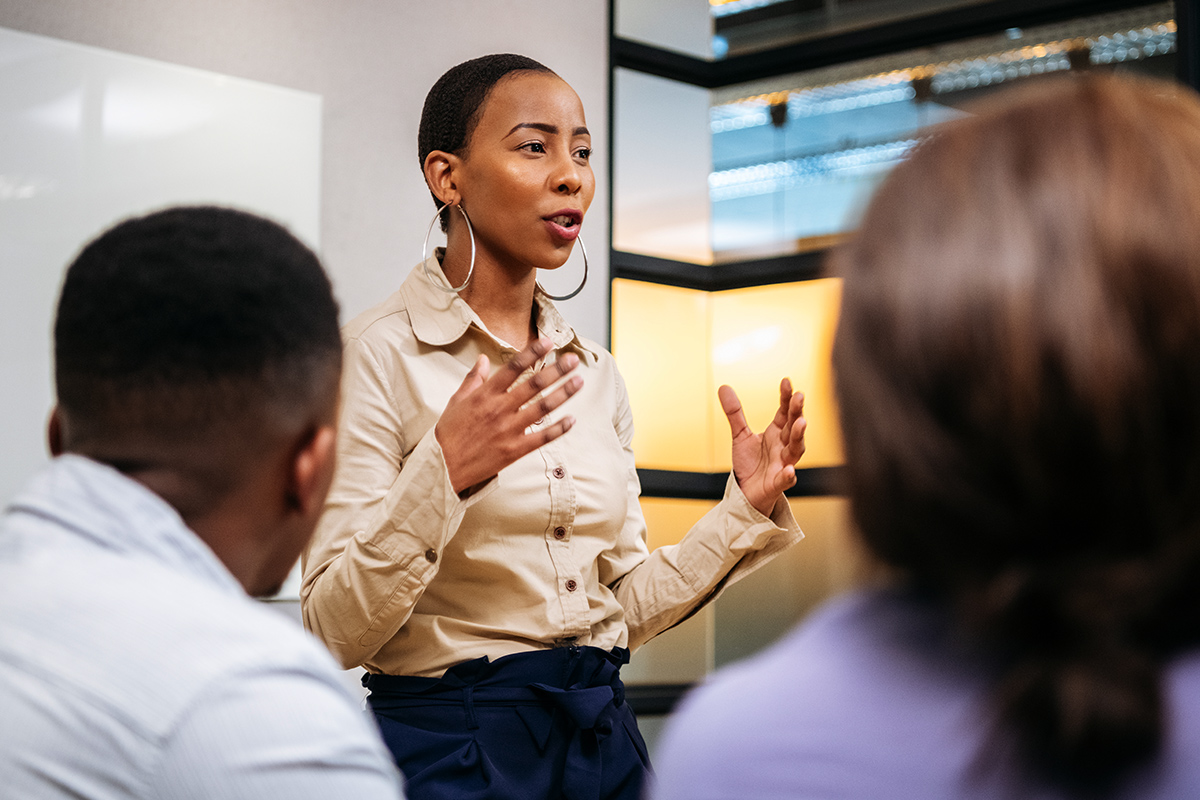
584, 706
580, 683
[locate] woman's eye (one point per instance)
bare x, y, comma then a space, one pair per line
584, 153
534, 147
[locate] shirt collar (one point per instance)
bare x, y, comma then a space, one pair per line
98, 504
439, 317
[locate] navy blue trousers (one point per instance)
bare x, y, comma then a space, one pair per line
547, 724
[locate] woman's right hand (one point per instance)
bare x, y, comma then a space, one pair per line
485, 425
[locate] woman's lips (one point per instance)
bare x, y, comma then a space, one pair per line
564, 225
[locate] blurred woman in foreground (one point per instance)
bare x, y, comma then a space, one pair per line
1018, 367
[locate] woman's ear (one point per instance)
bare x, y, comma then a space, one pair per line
440, 169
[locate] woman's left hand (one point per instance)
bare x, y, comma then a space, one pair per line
765, 463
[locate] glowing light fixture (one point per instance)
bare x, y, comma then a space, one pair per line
777, 175
988, 69
675, 346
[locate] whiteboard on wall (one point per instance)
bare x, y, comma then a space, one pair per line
89, 137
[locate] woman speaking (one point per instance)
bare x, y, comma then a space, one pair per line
483, 551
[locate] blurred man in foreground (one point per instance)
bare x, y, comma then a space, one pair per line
197, 365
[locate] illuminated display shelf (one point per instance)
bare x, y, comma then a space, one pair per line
675, 346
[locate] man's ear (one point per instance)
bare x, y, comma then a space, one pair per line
440, 168
311, 471
54, 434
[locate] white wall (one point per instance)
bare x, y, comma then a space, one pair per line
91, 135
682, 25
663, 147
663, 154
372, 61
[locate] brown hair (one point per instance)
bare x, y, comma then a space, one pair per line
1018, 368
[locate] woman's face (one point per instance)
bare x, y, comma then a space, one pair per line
525, 178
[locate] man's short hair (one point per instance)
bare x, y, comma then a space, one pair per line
194, 322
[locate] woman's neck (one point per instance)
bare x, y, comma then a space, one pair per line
501, 296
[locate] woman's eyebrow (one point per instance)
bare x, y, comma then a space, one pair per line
546, 128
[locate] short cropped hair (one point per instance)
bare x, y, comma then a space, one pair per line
1018, 369
192, 321
455, 103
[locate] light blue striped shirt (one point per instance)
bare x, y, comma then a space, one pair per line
133, 665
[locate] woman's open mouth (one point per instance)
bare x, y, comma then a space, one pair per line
564, 224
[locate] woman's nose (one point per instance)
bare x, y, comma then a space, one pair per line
567, 177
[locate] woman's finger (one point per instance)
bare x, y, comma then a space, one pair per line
796, 405
473, 380
544, 379
785, 398
786, 479
791, 411
535, 439
516, 366
539, 407
732, 407
550, 432
794, 444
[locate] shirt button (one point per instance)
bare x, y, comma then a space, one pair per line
560, 532
559, 472
572, 585
431, 556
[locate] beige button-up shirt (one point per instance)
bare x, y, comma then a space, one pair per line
406, 578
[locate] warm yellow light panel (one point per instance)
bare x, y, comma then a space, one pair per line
660, 340
759, 609
833, 557
764, 333
764, 605
669, 519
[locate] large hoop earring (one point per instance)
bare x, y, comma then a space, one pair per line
578, 288
446, 287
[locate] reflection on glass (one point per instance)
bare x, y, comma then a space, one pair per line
799, 164
746, 26
796, 158
662, 156
721, 28
684, 26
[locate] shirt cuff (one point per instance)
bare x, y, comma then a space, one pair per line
760, 539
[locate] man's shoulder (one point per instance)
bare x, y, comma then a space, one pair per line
139, 639
146, 678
